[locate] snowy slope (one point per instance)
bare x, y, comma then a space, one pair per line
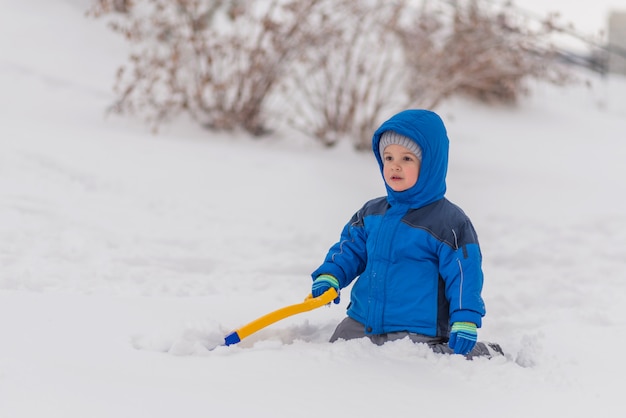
123, 255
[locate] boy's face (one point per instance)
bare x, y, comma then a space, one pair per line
401, 168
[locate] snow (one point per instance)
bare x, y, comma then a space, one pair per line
124, 255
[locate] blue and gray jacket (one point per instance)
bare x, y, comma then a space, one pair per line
415, 254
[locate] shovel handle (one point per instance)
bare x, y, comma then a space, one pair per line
309, 303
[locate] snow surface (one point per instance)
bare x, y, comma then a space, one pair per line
124, 255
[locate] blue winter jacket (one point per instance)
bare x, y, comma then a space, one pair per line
415, 254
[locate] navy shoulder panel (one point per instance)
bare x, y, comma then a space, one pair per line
445, 221
376, 206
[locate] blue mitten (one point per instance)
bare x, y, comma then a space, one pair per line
463, 337
324, 282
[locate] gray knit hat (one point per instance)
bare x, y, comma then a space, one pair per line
391, 137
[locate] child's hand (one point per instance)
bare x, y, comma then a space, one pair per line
463, 337
324, 282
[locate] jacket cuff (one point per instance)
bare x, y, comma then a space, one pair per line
330, 270
466, 316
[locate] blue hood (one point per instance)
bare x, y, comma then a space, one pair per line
427, 129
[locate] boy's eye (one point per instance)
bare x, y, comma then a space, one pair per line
407, 158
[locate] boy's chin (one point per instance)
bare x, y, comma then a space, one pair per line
399, 189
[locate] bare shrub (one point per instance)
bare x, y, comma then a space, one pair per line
476, 50
344, 89
216, 60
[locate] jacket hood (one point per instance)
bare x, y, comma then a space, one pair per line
427, 129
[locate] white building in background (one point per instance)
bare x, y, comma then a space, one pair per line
617, 42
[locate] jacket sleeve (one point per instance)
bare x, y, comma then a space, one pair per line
346, 259
460, 266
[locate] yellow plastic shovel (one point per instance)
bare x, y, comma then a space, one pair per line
309, 304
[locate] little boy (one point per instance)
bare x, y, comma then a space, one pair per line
414, 254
